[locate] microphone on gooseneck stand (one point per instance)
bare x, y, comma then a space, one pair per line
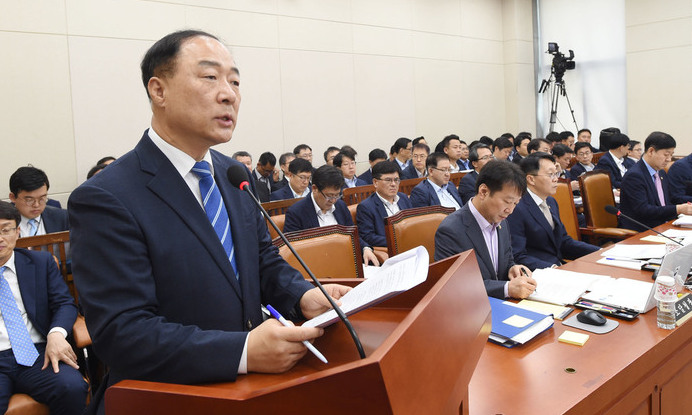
237, 175
615, 211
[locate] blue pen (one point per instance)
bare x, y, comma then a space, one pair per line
287, 323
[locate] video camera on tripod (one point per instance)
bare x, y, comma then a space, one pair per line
560, 62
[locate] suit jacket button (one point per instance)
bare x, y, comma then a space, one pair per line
249, 324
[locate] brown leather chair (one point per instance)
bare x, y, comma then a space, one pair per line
456, 177
597, 156
597, 192
407, 185
279, 207
55, 244
568, 213
410, 228
355, 195
279, 220
330, 251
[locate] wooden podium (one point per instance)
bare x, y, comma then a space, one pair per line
422, 347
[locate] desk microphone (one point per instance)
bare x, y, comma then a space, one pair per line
615, 211
237, 175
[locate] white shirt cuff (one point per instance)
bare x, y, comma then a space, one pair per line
507, 290
242, 366
59, 330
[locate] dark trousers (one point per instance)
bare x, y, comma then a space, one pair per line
64, 392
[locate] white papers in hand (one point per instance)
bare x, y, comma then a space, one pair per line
634, 251
562, 287
398, 273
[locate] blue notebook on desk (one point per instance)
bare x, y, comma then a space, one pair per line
514, 325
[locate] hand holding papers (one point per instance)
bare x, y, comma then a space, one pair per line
399, 273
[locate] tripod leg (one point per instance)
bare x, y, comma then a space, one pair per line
553, 105
564, 92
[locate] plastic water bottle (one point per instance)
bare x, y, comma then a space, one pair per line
666, 296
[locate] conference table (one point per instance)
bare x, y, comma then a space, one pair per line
637, 368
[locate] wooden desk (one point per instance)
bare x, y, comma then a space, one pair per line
637, 368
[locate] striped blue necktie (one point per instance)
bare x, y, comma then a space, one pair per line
215, 209
23, 348
33, 224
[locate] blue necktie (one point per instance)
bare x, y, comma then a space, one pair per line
23, 348
33, 227
216, 210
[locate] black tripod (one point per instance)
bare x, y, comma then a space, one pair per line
558, 88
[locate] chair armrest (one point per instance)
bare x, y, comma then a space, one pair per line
80, 333
618, 233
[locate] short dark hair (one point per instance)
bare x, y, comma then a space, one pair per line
299, 165
106, 159
473, 152
301, 147
632, 143
9, 211
659, 141
617, 140
421, 146
28, 178
444, 143
532, 163
581, 144
377, 154
486, 140
525, 133
434, 158
97, 168
339, 158
160, 59
328, 176
583, 130
284, 158
418, 140
267, 157
385, 167
400, 144
535, 144
241, 154
497, 173
508, 135
520, 138
502, 143
553, 137
560, 150
329, 150
565, 135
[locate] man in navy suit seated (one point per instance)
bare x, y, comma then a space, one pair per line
615, 161
324, 207
645, 193
539, 239
401, 150
453, 147
345, 161
264, 176
37, 315
436, 189
479, 156
299, 175
29, 193
584, 163
680, 180
386, 201
416, 168
481, 225
521, 143
375, 156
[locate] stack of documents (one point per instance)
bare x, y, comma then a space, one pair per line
556, 286
514, 325
684, 221
624, 293
632, 256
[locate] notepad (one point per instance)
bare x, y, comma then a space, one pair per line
572, 337
559, 312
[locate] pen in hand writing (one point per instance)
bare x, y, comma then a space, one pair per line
523, 271
271, 310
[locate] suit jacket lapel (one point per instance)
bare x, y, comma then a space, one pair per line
538, 216
455, 193
431, 189
26, 277
473, 231
650, 183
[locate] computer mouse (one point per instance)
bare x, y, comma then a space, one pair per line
591, 317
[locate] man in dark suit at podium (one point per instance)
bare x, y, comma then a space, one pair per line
171, 260
481, 225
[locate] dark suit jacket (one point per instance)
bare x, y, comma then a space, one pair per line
359, 182
464, 166
366, 176
263, 192
534, 243
607, 163
639, 199
517, 158
45, 295
467, 186
370, 216
283, 193
409, 172
424, 194
680, 180
281, 183
460, 232
55, 220
576, 171
160, 297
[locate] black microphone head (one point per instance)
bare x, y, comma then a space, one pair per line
612, 210
237, 175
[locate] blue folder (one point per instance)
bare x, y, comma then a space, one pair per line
509, 335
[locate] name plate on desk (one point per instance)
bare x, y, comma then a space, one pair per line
683, 309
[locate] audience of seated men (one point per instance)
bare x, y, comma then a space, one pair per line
329, 154
680, 180
645, 193
584, 136
384, 202
37, 316
345, 160
264, 176
284, 160
502, 148
417, 168
324, 207
401, 150
375, 156
584, 163
615, 161
539, 239
479, 155
299, 174
29, 193
521, 142
436, 189
481, 225
243, 157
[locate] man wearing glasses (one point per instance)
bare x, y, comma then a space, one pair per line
417, 168
385, 202
299, 175
539, 239
584, 160
479, 156
29, 193
324, 207
436, 189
